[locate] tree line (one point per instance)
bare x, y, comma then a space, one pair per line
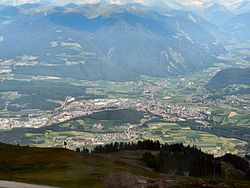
116, 147
175, 158
183, 160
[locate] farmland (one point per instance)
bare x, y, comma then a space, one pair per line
45, 111
175, 133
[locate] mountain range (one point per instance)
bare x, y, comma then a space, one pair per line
110, 41
107, 42
237, 6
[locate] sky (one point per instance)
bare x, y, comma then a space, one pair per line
199, 3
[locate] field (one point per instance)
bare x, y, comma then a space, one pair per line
234, 116
111, 89
82, 130
175, 133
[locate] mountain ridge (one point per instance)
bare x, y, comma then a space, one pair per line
79, 44
239, 26
227, 77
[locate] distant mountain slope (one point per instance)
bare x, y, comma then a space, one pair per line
228, 77
9, 10
239, 27
217, 14
242, 7
111, 43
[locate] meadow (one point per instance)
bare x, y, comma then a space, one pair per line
174, 133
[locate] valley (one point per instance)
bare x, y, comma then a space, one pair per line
173, 110
86, 77
129, 93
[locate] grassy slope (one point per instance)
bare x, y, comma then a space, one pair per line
59, 167
64, 168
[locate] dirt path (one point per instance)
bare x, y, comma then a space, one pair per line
12, 184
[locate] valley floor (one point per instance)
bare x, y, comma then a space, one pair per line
171, 110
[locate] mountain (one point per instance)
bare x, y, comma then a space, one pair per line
109, 43
229, 77
239, 27
242, 7
28, 6
217, 14
9, 11
230, 4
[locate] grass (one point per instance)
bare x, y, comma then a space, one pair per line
111, 89
65, 168
174, 133
223, 116
59, 167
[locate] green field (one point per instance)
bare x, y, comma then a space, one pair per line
174, 133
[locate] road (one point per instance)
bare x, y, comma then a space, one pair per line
12, 184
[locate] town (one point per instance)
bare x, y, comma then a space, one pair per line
168, 112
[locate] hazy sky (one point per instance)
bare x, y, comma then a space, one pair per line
227, 3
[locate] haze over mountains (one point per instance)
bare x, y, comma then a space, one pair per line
237, 5
109, 40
